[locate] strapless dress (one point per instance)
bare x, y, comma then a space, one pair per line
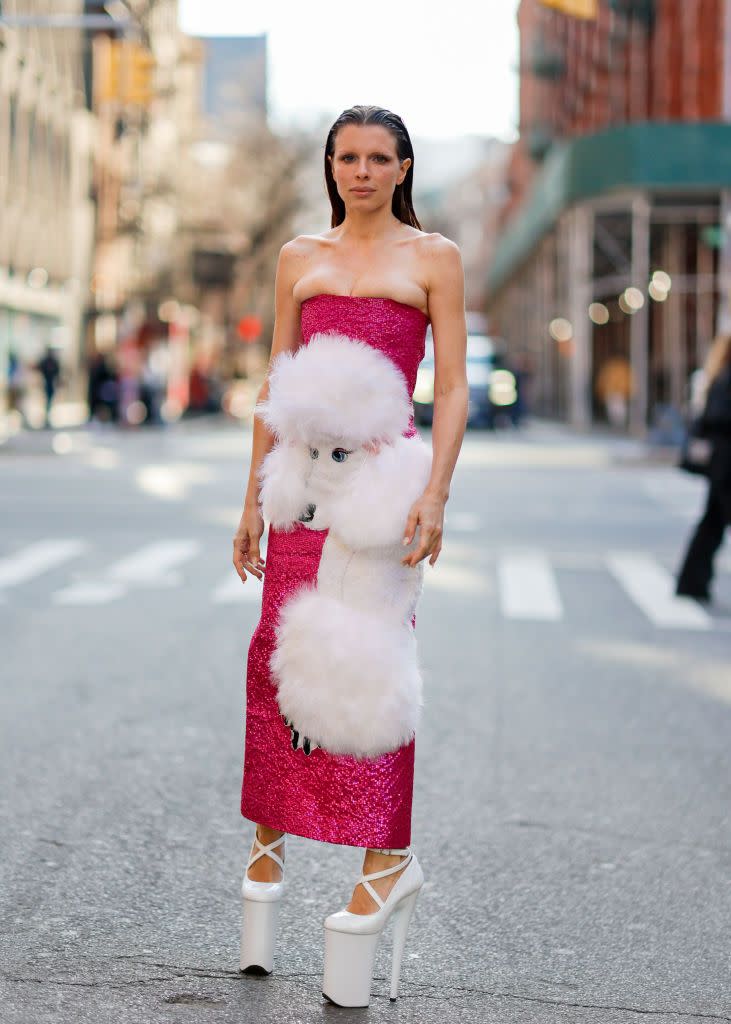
331, 798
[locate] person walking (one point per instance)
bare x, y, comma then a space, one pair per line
614, 388
696, 572
50, 370
375, 276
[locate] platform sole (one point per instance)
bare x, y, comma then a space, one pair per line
258, 936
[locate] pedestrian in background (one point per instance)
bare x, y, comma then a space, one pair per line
614, 387
696, 572
102, 390
50, 369
15, 382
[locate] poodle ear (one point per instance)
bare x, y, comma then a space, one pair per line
372, 511
282, 475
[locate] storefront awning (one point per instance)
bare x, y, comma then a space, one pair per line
682, 157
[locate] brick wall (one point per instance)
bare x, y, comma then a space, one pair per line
612, 70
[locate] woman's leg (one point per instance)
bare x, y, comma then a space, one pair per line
362, 902
696, 572
265, 869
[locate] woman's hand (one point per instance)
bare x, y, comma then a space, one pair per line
428, 514
247, 557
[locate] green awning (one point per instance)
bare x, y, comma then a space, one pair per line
680, 157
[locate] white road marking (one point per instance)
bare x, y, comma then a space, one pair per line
89, 593
231, 590
459, 579
651, 587
463, 522
528, 587
149, 566
152, 563
36, 559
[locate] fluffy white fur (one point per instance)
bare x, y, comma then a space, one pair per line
345, 662
283, 475
335, 387
372, 510
331, 656
364, 500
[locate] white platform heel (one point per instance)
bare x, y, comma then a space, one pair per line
351, 939
260, 913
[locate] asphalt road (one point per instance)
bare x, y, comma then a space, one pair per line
573, 784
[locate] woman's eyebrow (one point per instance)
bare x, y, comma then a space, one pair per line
375, 152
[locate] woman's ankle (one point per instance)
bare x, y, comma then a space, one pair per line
267, 835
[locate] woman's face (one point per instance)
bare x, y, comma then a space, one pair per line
365, 165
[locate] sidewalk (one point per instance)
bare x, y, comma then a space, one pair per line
621, 447
81, 436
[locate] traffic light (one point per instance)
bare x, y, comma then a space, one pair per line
575, 8
126, 72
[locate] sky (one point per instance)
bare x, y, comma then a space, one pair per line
448, 69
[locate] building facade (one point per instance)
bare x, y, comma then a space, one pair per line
46, 214
615, 236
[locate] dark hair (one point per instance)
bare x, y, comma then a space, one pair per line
401, 204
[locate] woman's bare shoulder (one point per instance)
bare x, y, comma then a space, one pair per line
304, 245
437, 247
296, 255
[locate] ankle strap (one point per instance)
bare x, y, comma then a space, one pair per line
365, 880
267, 851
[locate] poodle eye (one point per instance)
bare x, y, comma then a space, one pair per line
314, 454
339, 454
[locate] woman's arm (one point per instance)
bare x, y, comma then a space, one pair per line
446, 310
286, 337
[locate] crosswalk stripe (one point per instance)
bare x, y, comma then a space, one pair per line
651, 588
36, 559
231, 590
152, 563
89, 593
528, 587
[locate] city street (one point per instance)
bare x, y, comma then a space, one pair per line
572, 809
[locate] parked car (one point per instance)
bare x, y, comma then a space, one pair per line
492, 388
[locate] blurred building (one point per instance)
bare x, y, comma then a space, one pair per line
143, 90
616, 234
460, 190
46, 215
234, 83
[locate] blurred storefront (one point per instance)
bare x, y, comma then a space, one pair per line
46, 216
613, 265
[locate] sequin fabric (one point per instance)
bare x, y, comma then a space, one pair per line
331, 798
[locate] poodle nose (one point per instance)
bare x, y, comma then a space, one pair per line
308, 515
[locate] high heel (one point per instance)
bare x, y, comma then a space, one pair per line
260, 913
351, 939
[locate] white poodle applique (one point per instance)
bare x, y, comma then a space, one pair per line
345, 662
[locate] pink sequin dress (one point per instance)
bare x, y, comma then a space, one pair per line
331, 798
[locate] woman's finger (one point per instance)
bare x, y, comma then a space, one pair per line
430, 538
254, 568
240, 556
419, 552
412, 522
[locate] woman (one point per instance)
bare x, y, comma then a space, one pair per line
376, 277
696, 572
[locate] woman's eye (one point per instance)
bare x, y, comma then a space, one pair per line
314, 453
339, 454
